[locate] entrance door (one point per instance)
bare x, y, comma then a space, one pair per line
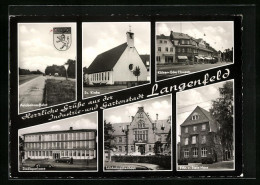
56, 155
142, 149
168, 59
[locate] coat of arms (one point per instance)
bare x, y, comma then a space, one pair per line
62, 38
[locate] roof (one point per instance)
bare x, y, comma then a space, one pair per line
204, 117
162, 36
118, 127
59, 131
177, 35
145, 58
107, 60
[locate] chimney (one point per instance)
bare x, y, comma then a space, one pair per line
130, 39
71, 128
156, 117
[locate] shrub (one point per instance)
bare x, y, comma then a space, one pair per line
207, 160
182, 162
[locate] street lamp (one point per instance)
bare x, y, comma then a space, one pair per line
66, 68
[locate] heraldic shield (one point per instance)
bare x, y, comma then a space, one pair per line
62, 38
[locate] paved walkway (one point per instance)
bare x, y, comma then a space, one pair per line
31, 94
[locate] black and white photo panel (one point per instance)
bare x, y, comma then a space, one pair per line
187, 47
47, 65
138, 136
205, 128
115, 56
65, 145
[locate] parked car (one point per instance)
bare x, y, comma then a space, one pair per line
44, 164
63, 160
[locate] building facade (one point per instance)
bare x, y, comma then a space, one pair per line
108, 67
180, 47
198, 138
76, 144
165, 50
139, 136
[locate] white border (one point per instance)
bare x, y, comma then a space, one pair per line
18, 62
148, 83
156, 72
43, 171
115, 171
234, 134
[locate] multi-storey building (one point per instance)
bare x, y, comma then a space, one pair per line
199, 137
76, 144
165, 52
139, 136
180, 47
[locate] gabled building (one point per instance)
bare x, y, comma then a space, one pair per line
116, 65
199, 138
139, 136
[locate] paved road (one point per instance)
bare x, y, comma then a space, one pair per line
31, 93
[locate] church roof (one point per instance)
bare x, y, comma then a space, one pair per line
204, 117
145, 58
107, 60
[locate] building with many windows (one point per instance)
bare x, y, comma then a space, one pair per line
139, 136
165, 52
76, 144
199, 137
180, 47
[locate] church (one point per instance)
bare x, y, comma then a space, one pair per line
139, 137
117, 66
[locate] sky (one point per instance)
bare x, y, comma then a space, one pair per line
219, 34
36, 49
161, 106
188, 100
99, 37
86, 121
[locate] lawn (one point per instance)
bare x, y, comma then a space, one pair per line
26, 78
95, 91
59, 91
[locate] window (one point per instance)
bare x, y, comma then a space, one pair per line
195, 152
179, 50
182, 41
140, 115
120, 139
166, 49
194, 139
150, 148
203, 139
186, 130
203, 127
194, 128
165, 42
160, 41
203, 152
171, 49
120, 148
186, 141
159, 48
183, 50
195, 116
186, 153
158, 58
